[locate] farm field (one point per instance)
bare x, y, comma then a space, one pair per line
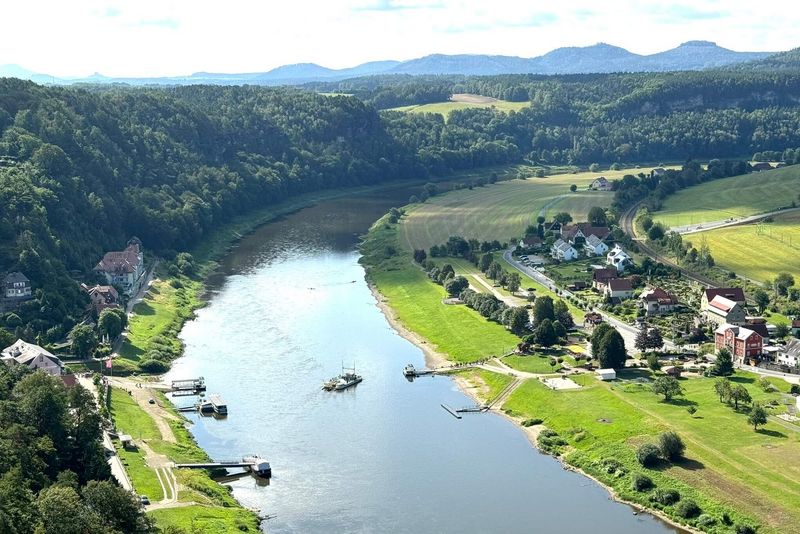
463, 101
729, 467
771, 248
738, 196
502, 210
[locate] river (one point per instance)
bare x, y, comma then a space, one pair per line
286, 308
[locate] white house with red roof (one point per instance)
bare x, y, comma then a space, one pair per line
735, 294
619, 289
742, 342
721, 310
125, 268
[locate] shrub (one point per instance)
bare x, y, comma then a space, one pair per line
705, 520
687, 509
548, 433
665, 496
532, 422
744, 528
641, 482
612, 465
579, 436
671, 446
153, 366
647, 455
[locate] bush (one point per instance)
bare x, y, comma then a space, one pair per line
647, 455
687, 509
532, 422
705, 520
671, 446
153, 366
612, 465
641, 482
744, 528
665, 496
548, 433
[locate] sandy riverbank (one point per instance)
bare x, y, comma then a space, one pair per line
437, 359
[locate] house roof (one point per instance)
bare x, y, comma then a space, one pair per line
108, 293
618, 252
795, 323
24, 353
569, 231
619, 284
125, 261
532, 240
15, 277
735, 294
759, 328
720, 304
741, 332
658, 295
604, 274
792, 348
594, 241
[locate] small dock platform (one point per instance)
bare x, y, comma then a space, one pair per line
252, 463
452, 411
189, 384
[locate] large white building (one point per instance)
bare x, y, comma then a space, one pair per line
561, 250
32, 356
618, 258
124, 269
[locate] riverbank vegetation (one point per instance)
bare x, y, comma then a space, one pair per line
736, 476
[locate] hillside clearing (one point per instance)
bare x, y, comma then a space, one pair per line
463, 101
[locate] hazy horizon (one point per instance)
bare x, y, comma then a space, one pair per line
177, 38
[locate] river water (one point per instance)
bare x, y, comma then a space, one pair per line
287, 307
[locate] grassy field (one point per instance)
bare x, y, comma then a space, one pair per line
207, 519
737, 196
457, 331
502, 210
535, 363
444, 108
729, 467
486, 384
757, 251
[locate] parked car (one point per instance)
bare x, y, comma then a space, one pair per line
144, 500
151, 401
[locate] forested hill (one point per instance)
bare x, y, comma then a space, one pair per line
84, 169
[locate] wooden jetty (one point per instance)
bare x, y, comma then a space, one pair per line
452, 411
253, 463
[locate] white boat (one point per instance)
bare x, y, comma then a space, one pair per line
409, 370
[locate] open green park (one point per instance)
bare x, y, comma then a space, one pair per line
738, 196
728, 468
459, 102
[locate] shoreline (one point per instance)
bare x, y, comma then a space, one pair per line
434, 358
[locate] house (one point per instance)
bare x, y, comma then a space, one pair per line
742, 342
722, 311
606, 374
32, 356
735, 294
102, 297
530, 241
577, 285
656, 301
761, 166
758, 324
790, 354
600, 184
600, 277
561, 250
17, 286
658, 171
592, 319
618, 258
124, 268
619, 288
595, 246
673, 370
577, 234
795, 327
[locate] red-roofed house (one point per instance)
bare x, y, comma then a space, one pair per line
102, 297
656, 301
742, 343
600, 277
721, 310
735, 294
124, 268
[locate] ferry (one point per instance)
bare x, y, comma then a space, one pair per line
347, 379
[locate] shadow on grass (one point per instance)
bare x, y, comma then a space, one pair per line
689, 464
143, 308
631, 374
681, 402
741, 379
771, 433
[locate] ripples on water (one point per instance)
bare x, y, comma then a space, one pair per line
382, 457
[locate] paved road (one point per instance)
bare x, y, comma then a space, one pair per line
627, 331
702, 227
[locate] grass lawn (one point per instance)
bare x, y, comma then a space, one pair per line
771, 248
457, 331
534, 363
445, 108
487, 384
737, 196
729, 466
206, 519
502, 210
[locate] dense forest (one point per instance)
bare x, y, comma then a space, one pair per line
53, 474
84, 168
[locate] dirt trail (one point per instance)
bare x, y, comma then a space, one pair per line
142, 395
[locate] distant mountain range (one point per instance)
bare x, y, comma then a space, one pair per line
599, 58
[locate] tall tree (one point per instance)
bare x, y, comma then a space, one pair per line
543, 309
611, 351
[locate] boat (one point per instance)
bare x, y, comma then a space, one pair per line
347, 379
409, 370
258, 465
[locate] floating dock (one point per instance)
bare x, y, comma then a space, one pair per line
253, 463
452, 412
189, 384
218, 405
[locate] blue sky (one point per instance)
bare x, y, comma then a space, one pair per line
175, 37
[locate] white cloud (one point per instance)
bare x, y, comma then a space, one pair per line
173, 37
